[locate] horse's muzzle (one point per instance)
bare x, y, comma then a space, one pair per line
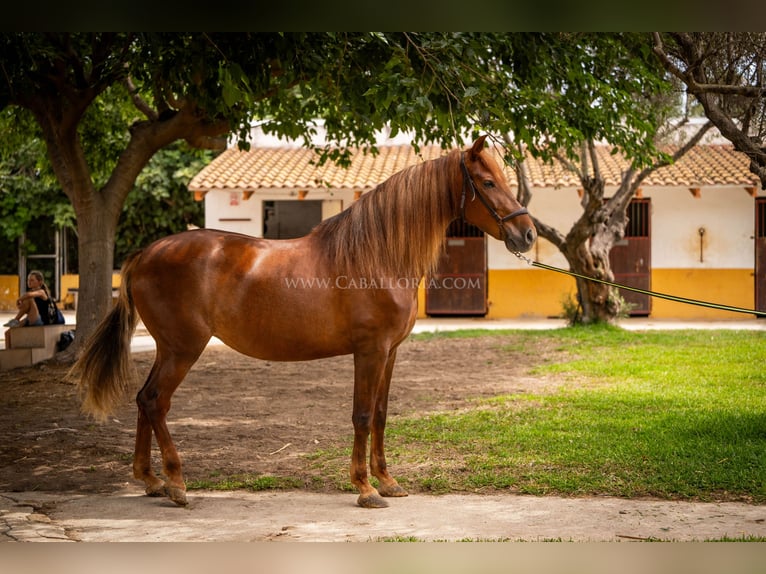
521, 240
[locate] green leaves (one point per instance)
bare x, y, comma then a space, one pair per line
549, 90
28, 188
235, 87
160, 203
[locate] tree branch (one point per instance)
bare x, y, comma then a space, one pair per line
570, 166
705, 93
659, 50
724, 89
692, 85
138, 101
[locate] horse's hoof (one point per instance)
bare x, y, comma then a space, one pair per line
177, 495
394, 491
371, 501
156, 490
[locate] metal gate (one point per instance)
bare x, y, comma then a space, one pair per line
41, 249
631, 258
459, 286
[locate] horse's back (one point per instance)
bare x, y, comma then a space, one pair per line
193, 266
180, 280
198, 246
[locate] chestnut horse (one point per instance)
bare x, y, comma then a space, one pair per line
348, 287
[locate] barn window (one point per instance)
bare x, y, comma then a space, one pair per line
461, 228
638, 219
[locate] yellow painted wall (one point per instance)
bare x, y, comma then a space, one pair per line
527, 293
9, 292
540, 293
421, 300
73, 281
734, 287
9, 288
69, 282
521, 293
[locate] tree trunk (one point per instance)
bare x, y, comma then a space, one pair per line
589, 241
98, 210
602, 223
599, 302
97, 213
96, 255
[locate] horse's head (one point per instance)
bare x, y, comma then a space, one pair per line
486, 200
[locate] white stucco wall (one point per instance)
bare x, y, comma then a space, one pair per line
725, 213
559, 208
230, 211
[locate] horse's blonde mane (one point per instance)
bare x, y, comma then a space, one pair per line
398, 228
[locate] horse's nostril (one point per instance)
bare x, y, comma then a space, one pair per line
530, 236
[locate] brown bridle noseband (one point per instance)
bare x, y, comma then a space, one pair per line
476, 193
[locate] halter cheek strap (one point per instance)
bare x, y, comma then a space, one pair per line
467, 179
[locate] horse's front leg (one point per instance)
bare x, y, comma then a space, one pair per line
369, 373
388, 485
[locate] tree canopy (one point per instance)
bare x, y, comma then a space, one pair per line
552, 91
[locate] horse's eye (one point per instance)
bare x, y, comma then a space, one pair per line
488, 183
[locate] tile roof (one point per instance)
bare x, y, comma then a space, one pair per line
292, 168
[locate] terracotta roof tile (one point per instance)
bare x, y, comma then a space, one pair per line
292, 168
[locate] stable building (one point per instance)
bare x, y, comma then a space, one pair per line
696, 229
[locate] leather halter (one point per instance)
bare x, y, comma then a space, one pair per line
476, 193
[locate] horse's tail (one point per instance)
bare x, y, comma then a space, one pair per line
104, 369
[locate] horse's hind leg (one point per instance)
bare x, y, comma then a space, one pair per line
387, 483
142, 460
153, 405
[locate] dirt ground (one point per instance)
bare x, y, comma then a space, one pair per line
234, 415
65, 478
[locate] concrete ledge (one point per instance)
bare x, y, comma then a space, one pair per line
45, 336
15, 358
25, 346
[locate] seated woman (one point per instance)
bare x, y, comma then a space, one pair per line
33, 305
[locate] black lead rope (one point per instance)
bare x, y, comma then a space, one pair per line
675, 298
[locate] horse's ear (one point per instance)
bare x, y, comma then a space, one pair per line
478, 145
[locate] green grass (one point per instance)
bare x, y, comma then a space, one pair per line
244, 482
670, 414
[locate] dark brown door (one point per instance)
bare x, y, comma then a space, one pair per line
287, 219
760, 253
631, 258
459, 286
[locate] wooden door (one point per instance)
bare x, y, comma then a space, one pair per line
459, 286
631, 258
760, 254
